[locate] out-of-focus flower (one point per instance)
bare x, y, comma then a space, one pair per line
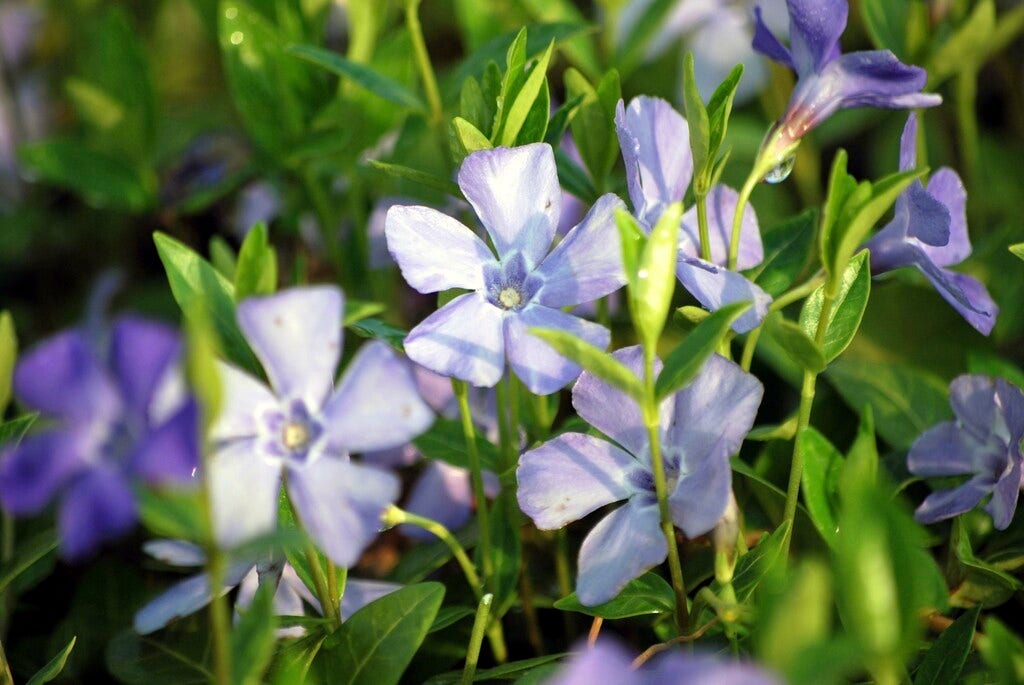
929, 231
119, 416
655, 146
304, 429
257, 202
983, 443
515, 192
574, 474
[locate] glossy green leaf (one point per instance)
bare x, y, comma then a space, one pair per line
719, 111
787, 249
821, 462
256, 271
1017, 249
365, 76
357, 310
53, 668
596, 361
697, 118
656, 276
101, 179
8, 357
648, 594
253, 638
515, 116
980, 583
847, 311
445, 441
945, 660
687, 359
140, 660
800, 347
753, 566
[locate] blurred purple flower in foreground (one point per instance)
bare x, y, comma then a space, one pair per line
119, 415
655, 142
827, 80
574, 474
515, 192
983, 442
929, 231
304, 428
609, 662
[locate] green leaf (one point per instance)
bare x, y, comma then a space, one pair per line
648, 594
905, 401
720, 109
801, 348
475, 107
416, 176
375, 329
945, 660
469, 136
1003, 651
515, 116
791, 623
8, 357
11, 432
506, 547
574, 179
848, 307
256, 272
700, 126
651, 296
375, 644
445, 441
886, 22
373, 81
29, 552
139, 660
967, 49
52, 669
596, 361
631, 51
504, 672
253, 638
593, 127
94, 105
990, 364
821, 462
687, 359
861, 469
358, 310
787, 247
632, 239
197, 286
449, 616
981, 583
753, 566
535, 127
561, 120
101, 179
172, 513
223, 257
1017, 249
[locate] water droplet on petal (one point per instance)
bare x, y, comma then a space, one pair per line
781, 171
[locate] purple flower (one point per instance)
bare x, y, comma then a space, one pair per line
515, 193
655, 146
574, 474
983, 443
929, 231
304, 428
608, 662
119, 416
827, 80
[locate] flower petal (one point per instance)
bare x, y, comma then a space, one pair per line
814, 30
722, 201
1004, 497
175, 552
570, 476
767, 44
605, 662
611, 411
623, 545
243, 399
715, 287
359, 593
515, 193
244, 489
944, 450
542, 370
966, 294
876, 78
141, 353
32, 472
587, 264
442, 493
928, 219
377, 405
434, 251
169, 454
98, 506
946, 504
296, 334
463, 339
702, 495
340, 504
973, 398
183, 599
946, 187
1011, 398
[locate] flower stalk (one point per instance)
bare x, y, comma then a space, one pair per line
476, 638
476, 477
419, 48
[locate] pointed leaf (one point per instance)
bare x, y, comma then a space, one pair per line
52, 669
371, 80
256, 271
848, 307
945, 660
253, 638
648, 594
687, 359
596, 361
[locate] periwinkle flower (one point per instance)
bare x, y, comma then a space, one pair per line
827, 80
608, 662
659, 166
574, 474
515, 193
116, 414
984, 442
303, 428
929, 231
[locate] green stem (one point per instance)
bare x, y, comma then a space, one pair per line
652, 420
333, 594
395, 516
967, 119
321, 583
476, 477
737, 220
325, 217
780, 303
476, 638
748, 348
216, 569
702, 228
419, 48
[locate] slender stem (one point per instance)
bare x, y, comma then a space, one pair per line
702, 228
748, 348
419, 48
395, 516
595, 631
563, 576
476, 477
476, 638
780, 303
533, 632
967, 119
321, 583
737, 221
333, 593
216, 568
604, 316
513, 422
652, 421
325, 217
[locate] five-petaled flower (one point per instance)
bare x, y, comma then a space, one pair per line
574, 474
929, 231
515, 193
659, 166
120, 415
827, 80
304, 428
984, 442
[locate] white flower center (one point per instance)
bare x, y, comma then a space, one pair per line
510, 298
295, 435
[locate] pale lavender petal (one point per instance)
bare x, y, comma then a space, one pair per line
442, 493
966, 294
654, 139
611, 411
296, 334
377, 405
570, 476
949, 503
37, 468
169, 454
623, 545
714, 57
814, 30
340, 503
947, 188
587, 264
721, 204
393, 457
359, 593
1004, 497
183, 599
286, 601
702, 495
908, 143
463, 339
1012, 400
243, 400
767, 44
542, 370
434, 251
715, 286
676, 667
515, 193
175, 552
605, 662
244, 489
141, 354
943, 450
98, 506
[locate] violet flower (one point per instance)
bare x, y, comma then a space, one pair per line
515, 193
608, 662
119, 416
303, 428
983, 443
827, 80
929, 231
659, 166
574, 474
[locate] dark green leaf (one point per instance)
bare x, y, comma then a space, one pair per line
631, 51
981, 583
100, 179
800, 347
475, 107
172, 513
416, 176
52, 669
29, 552
1003, 651
253, 638
687, 359
574, 179
371, 80
648, 594
506, 547
256, 271
593, 127
945, 660
594, 360
847, 310
561, 120
450, 615
138, 660
380, 330
821, 461
505, 672
787, 247
446, 442
753, 566
697, 118
11, 432
990, 364
720, 109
